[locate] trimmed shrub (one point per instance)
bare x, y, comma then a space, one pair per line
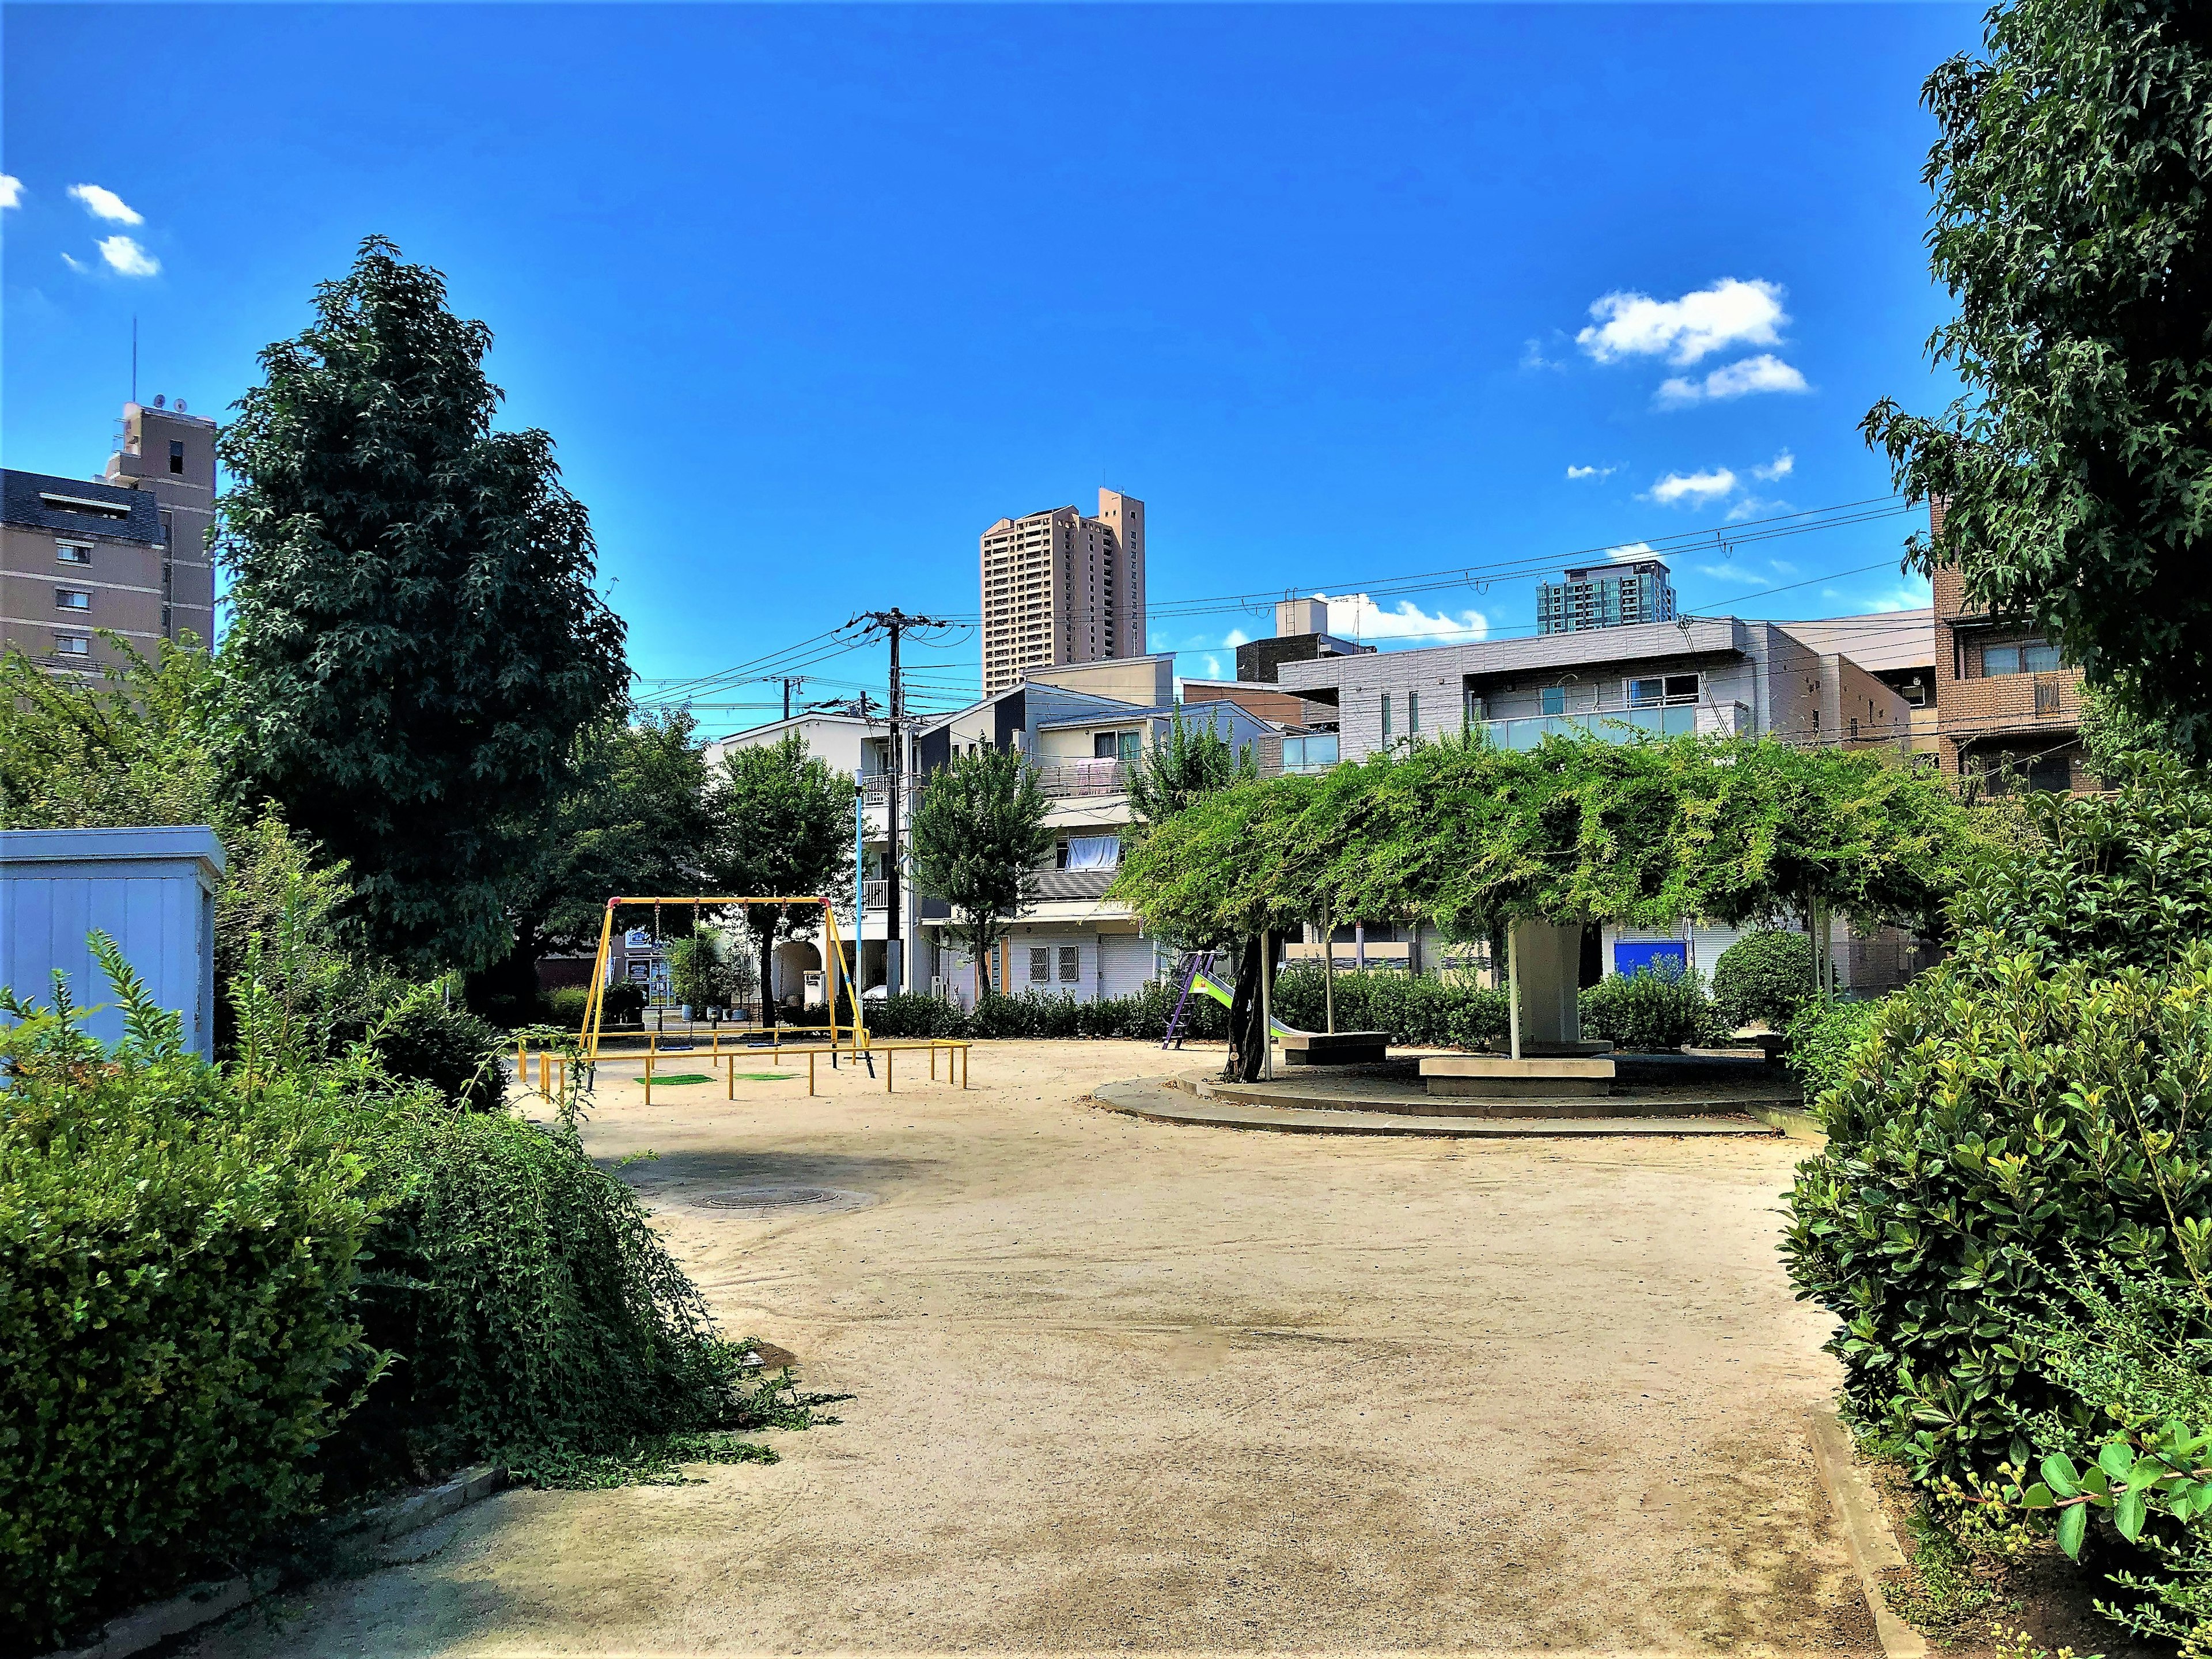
1763, 979
622, 1005
1648, 1011
428, 1037
177, 1262
1822, 1039
1142, 1017
1996, 1120
910, 1014
1422, 1011
567, 1006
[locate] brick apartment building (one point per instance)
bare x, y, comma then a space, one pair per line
2007, 712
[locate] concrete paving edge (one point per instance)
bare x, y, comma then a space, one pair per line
202, 1604
1873, 1547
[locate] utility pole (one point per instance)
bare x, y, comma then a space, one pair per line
788, 682
894, 622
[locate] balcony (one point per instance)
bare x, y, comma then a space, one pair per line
875, 896
1075, 884
1680, 719
1082, 777
1314, 752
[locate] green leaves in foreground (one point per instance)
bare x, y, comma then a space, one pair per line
2162, 1470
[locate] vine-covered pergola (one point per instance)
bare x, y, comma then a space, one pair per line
1533, 846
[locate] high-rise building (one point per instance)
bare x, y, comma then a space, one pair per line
1605, 596
128, 554
1059, 587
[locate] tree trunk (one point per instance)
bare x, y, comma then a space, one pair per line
1247, 1031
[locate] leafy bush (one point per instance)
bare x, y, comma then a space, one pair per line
1142, 1016
427, 1036
177, 1259
1648, 1010
1417, 1009
542, 1318
1763, 979
1822, 1039
911, 1014
567, 1005
1998, 1115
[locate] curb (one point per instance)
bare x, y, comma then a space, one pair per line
202, 1604
1795, 1122
1873, 1547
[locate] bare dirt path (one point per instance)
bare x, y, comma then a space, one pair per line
1129, 1387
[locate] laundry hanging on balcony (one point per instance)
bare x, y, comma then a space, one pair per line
1094, 852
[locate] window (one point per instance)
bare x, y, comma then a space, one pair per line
1041, 964
1132, 746
1555, 699
1412, 711
2053, 774
1117, 745
72, 645
1915, 693
1071, 964
72, 599
1670, 688
72, 553
2028, 657
2046, 696
82, 504
1314, 752
1385, 717
176, 455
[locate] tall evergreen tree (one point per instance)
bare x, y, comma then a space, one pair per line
2073, 185
414, 624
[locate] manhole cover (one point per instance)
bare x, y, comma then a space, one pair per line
775, 1199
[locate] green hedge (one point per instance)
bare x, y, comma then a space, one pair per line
1649, 1011
1419, 1011
1986, 1133
177, 1263
1143, 1016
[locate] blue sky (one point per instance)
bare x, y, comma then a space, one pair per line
807, 296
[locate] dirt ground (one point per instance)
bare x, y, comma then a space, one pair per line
1131, 1386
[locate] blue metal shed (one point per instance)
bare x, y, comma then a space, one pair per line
151, 891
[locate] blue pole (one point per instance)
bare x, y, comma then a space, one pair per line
859, 890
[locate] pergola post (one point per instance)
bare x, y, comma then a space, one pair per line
1267, 1010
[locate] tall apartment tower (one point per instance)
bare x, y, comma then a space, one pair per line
1061, 588
127, 553
1605, 596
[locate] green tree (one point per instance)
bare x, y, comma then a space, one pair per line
2074, 225
787, 823
641, 818
1194, 761
415, 636
979, 842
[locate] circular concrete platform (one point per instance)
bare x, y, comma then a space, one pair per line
1360, 1107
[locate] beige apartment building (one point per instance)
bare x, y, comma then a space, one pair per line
1060, 588
127, 553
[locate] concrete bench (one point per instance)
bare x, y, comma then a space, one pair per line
1334, 1048
1496, 1076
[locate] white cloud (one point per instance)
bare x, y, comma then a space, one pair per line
1236, 636
1764, 373
104, 203
1729, 312
1695, 487
1597, 472
75, 264
1356, 616
1532, 357
128, 257
1630, 551
11, 190
1730, 573
1213, 668
1780, 467
1913, 594
1752, 506
1785, 566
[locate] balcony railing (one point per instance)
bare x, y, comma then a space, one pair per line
1097, 777
1674, 720
1314, 752
1075, 884
876, 895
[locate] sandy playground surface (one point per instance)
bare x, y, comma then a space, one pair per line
1123, 1386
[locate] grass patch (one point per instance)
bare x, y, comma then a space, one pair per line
660, 1078
766, 1077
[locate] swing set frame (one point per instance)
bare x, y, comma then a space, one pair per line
855, 1034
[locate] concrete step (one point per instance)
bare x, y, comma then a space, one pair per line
1159, 1101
